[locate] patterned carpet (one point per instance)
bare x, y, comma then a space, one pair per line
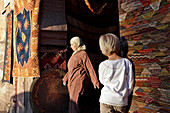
26, 62
145, 26
7, 73
52, 58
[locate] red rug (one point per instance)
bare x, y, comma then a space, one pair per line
52, 59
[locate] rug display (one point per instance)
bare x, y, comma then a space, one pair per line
7, 73
48, 94
26, 62
145, 24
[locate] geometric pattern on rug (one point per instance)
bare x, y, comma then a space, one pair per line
8, 50
52, 59
146, 26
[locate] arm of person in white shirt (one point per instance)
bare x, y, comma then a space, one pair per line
130, 78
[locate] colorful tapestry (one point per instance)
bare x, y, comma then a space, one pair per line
8, 49
146, 26
52, 59
26, 62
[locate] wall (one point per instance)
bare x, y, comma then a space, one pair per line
7, 90
2, 36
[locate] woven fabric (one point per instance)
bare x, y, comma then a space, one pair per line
52, 59
26, 62
145, 26
8, 49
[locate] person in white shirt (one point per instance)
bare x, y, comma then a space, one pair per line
116, 75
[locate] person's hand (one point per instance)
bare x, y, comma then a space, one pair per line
97, 86
64, 83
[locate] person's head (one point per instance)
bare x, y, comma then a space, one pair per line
109, 44
77, 44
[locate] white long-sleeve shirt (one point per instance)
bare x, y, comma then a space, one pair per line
118, 79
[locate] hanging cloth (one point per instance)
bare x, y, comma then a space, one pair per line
26, 28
